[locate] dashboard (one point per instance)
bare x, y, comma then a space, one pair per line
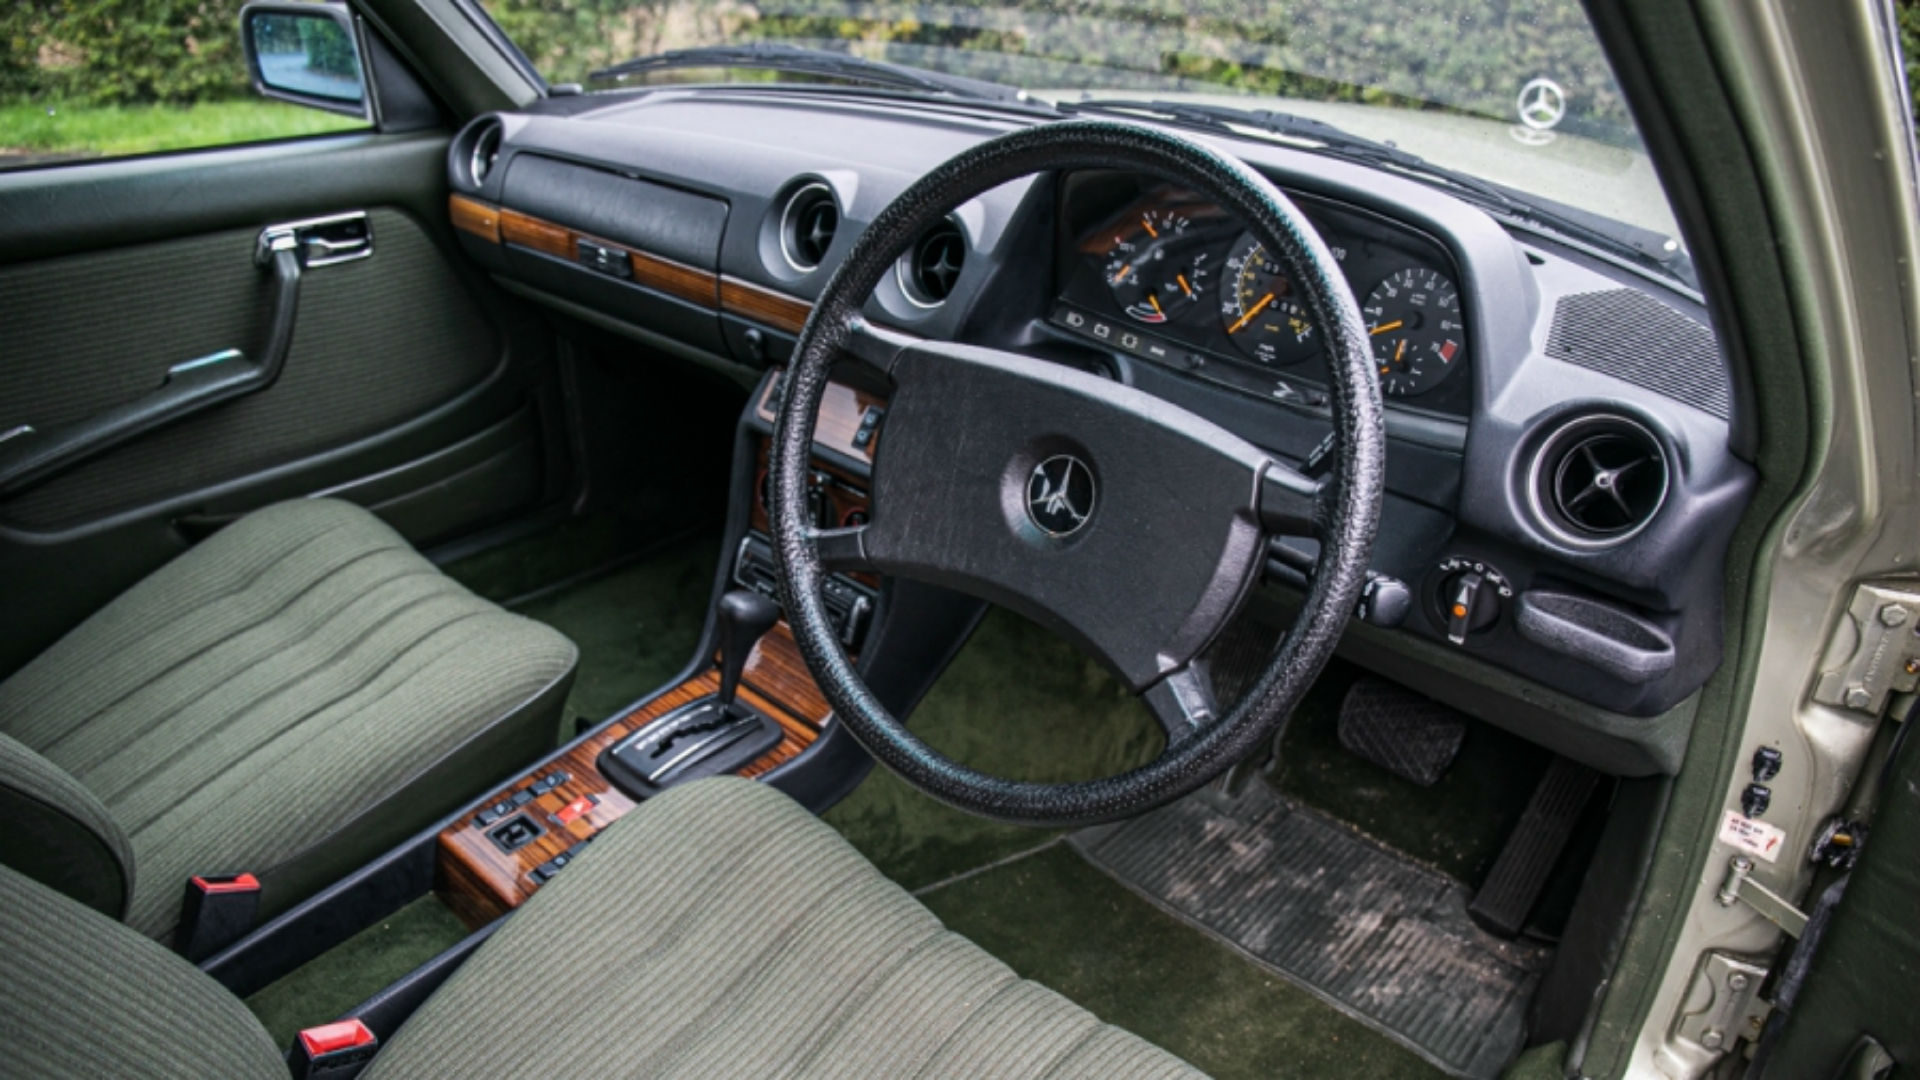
1168, 277
1561, 474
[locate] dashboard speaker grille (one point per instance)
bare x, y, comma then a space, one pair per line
1635, 338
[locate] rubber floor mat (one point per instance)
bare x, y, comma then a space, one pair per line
1378, 936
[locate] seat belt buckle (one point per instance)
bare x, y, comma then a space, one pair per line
217, 911
336, 1051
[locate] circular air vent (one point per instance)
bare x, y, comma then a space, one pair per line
807, 226
1599, 479
486, 150
930, 268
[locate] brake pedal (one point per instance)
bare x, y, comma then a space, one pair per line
1409, 735
1520, 873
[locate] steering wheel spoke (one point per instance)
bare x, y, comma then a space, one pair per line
1182, 703
1291, 502
841, 549
874, 345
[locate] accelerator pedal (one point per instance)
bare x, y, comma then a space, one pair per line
1507, 897
1408, 734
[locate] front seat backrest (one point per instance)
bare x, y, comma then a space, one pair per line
59, 834
82, 995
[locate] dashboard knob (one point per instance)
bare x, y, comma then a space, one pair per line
1469, 603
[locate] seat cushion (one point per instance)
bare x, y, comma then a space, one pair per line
721, 930
245, 706
82, 995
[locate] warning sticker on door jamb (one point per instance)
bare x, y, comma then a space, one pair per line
1753, 837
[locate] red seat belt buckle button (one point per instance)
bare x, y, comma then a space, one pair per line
334, 1051
216, 911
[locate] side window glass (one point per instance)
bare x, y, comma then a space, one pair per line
112, 78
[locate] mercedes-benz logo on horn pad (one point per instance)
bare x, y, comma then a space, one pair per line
1060, 495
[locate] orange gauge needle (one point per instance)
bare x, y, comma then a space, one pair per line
1148, 222
1392, 326
1121, 274
1401, 351
1251, 312
1184, 287
1155, 301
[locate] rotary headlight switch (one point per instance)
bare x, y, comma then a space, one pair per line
1470, 597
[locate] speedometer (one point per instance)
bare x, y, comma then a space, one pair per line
1413, 318
1259, 311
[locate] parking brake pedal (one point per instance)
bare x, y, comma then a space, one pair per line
1408, 734
1514, 884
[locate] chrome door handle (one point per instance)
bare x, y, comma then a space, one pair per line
320, 241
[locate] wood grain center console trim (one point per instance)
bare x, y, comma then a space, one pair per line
480, 881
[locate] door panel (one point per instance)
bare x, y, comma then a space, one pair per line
411, 386
378, 341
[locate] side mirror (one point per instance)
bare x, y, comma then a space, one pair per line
305, 53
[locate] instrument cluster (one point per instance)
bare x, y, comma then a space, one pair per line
1162, 273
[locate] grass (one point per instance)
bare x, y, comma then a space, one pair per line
45, 131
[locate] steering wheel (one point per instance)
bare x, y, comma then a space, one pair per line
1126, 523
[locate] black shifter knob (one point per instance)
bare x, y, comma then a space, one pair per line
744, 618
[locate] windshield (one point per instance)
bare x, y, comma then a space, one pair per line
1516, 92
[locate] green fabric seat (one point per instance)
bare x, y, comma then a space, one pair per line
717, 930
290, 698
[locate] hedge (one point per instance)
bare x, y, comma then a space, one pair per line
1477, 52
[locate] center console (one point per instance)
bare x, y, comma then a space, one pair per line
749, 707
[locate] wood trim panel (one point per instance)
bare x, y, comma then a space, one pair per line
689, 283
834, 427
732, 295
479, 882
750, 301
542, 236
677, 279
474, 216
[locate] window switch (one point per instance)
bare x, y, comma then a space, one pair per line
516, 832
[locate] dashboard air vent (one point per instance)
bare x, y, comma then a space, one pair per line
486, 150
1599, 479
807, 226
933, 265
1637, 339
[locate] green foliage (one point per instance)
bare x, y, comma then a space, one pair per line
1462, 55
121, 51
60, 129
329, 50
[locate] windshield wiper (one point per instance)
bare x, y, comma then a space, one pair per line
781, 56
1643, 246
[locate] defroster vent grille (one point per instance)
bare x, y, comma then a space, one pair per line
1633, 337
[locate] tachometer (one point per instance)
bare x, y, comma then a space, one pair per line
1418, 336
1258, 309
1154, 271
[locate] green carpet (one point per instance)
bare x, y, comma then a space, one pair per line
1020, 702
636, 628
1057, 920
356, 969
1456, 826
543, 559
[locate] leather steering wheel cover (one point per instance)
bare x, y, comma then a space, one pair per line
1351, 506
